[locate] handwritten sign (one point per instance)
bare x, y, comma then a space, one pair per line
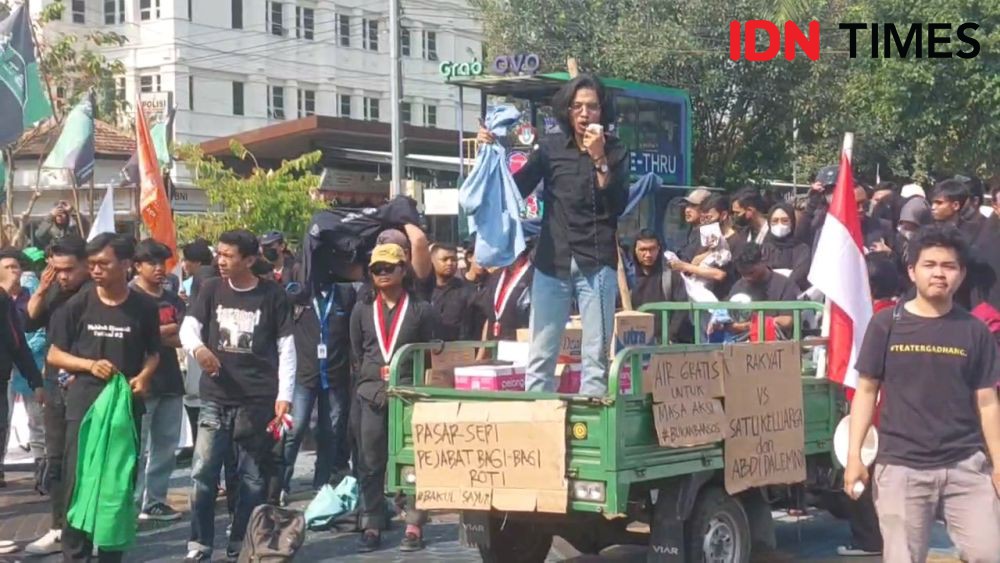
765, 426
482, 455
685, 388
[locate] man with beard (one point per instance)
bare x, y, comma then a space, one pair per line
65, 276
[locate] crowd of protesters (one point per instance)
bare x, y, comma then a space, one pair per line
244, 342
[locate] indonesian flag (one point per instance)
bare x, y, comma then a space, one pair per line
839, 271
153, 202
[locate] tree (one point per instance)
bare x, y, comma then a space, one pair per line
279, 199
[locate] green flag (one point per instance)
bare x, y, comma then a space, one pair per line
22, 97
75, 148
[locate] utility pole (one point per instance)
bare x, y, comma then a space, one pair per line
396, 96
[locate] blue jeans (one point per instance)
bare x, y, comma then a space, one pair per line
551, 299
161, 434
332, 452
215, 442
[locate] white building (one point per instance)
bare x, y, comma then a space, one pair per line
238, 65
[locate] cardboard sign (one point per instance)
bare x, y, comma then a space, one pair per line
632, 328
765, 425
507, 455
450, 358
569, 346
685, 388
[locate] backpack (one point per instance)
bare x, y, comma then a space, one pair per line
274, 535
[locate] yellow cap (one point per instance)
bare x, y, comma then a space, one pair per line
388, 254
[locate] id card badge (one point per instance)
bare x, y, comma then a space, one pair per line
321, 351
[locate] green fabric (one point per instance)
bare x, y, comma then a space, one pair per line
102, 505
37, 107
159, 135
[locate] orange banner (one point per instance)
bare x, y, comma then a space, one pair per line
153, 202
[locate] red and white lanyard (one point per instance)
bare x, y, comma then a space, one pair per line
381, 330
505, 288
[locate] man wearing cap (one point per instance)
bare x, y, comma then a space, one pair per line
275, 251
383, 321
692, 217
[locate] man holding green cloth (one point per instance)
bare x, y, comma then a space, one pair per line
103, 331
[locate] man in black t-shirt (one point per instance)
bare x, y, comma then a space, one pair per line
760, 283
656, 284
239, 329
452, 298
939, 425
161, 425
64, 276
321, 326
102, 331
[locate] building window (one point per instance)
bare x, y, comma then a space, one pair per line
307, 103
305, 23
431, 45
275, 18
79, 11
237, 98
406, 108
149, 83
369, 31
149, 9
404, 42
120, 88
237, 13
344, 30
276, 102
430, 116
114, 11
191, 92
371, 109
345, 105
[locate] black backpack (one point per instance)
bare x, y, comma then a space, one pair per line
274, 535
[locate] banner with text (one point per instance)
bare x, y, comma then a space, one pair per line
482, 455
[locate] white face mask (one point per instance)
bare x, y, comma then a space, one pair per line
781, 231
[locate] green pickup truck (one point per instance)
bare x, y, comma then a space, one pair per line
624, 488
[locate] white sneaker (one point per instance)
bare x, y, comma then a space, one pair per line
50, 543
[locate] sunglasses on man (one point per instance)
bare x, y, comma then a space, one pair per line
382, 269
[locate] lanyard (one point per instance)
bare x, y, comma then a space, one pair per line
505, 288
387, 335
323, 315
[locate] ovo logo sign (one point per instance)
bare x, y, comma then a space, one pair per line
919, 40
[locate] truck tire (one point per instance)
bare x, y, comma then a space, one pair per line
516, 541
718, 530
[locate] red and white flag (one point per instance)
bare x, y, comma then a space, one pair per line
839, 271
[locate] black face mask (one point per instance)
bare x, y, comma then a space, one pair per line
741, 221
271, 254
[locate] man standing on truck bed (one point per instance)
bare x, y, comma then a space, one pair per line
939, 367
584, 172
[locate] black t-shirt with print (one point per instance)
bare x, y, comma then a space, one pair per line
242, 329
168, 380
52, 302
124, 335
929, 370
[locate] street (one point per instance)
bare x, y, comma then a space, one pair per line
24, 516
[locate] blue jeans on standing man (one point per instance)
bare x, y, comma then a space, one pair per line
332, 452
161, 436
216, 425
551, 299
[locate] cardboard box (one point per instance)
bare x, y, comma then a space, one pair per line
490, 378
571, 375
440, 378
633, 328
569, 348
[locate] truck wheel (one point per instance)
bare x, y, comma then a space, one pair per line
518, 541
718, 530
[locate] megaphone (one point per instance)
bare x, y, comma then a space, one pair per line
842, 437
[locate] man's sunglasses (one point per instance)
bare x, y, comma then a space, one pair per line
381, 269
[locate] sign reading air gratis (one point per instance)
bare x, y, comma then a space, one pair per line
931, 40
